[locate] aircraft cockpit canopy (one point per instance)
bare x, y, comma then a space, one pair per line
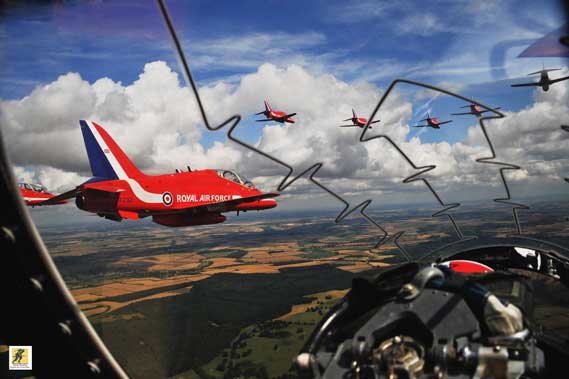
32, 187
234, 177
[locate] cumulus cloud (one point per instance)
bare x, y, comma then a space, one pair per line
156, 121
533, 139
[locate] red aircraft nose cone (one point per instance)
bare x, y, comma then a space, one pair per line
257, 205
268, 203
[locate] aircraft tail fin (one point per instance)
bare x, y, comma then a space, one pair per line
268, 106
106, 158
354, 113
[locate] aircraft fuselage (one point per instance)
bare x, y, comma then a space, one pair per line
544, 80
152, 195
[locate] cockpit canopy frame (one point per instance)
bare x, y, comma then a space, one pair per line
234, 177
32, 187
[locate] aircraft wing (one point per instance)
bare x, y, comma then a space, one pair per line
348, 126
558, 80
266, 119
56, 199
420, 126
289, 115
460, 114
444, 122
375, 122
525, 84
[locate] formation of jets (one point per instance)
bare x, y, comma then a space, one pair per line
544, 81
118, 190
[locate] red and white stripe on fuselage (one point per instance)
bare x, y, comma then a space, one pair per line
156, 192
179, 191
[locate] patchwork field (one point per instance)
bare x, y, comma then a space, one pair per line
237, 299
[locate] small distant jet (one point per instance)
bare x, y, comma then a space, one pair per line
277, 116
357, 121
118, 190
33, 194
432, 122
544, 81
475, 110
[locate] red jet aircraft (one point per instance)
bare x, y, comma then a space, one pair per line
357, 121
432, 122
475, 110
277, 116
118, 190
33, 194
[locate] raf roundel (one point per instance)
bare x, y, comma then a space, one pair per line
167, 198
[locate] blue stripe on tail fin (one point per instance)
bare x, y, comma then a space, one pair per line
100, 165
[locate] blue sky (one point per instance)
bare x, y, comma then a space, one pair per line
444, 42
470, 47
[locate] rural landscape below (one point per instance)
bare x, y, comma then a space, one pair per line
241, 298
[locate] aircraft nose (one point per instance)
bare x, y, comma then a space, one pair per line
257, 205
268, 203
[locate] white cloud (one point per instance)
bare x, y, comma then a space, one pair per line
423, 24
251, 50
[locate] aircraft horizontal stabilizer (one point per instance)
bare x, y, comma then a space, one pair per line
105, 190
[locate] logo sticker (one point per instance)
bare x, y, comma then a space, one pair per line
167, 198
20, 358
